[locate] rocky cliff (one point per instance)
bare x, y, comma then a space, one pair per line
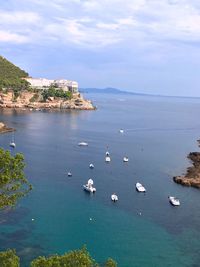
5, 129
192, 176
28, 99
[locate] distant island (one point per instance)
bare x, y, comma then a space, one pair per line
116, 91
111, 90
19, 90
108, 90
192, 176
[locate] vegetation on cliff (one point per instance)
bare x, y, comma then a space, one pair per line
10, 76
13, 183
75, 258
55, 92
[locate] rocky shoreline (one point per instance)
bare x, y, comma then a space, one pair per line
192, 176
29, 100
5, 129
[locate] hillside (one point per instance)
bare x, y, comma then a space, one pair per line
10, 75
108, 90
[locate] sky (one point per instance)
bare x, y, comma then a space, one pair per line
145, 46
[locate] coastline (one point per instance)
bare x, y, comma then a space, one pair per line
27, 100
192, 176
5, 129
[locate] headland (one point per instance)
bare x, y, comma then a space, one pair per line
35, 100
192, 176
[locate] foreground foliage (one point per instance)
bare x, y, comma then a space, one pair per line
75, 258
9, 259
13, 183
79, 258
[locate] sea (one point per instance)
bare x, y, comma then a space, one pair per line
140, 230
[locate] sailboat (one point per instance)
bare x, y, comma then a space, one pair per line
12, 143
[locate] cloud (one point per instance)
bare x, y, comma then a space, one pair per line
9, 37
94, 24
18, 17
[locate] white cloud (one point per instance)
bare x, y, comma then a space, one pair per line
92, 23
18, 17
12, 37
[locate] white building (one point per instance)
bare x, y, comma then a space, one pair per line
42, 83
66, 85
39, 82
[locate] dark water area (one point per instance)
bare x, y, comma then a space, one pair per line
138, 230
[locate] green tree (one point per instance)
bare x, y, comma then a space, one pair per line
13, 183
9, 259
55, 92
110, 263
76, 258
45, 94
11, 76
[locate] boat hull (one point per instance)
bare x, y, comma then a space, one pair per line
107, 159
174, 202
89, 189
140, 188
114, 198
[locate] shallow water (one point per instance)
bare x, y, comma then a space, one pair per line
158, 135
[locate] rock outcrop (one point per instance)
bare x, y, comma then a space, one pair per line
192, 176
28, 99
5, 129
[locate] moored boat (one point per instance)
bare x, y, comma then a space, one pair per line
91, 166
140, 187
114, 197
12, 144
125, 159
83, 144
89, 186
107, 159
174, 201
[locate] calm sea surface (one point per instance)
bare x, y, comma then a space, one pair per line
140, 230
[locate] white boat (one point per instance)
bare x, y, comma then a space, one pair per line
69, 174
174, 201
140, 187
12, 144
89, 186
125, 159
83, 144
107, 153
114, 197
91, 166
107, 159
121, 131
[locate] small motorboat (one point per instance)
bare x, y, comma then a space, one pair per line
125, 159
174, 201
89, 186
140, 187
114, 197
107, 159
83, 144
121, 131
69, 174
91, 166
107, 153
12, 144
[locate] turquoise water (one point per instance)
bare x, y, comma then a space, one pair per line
158, 134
